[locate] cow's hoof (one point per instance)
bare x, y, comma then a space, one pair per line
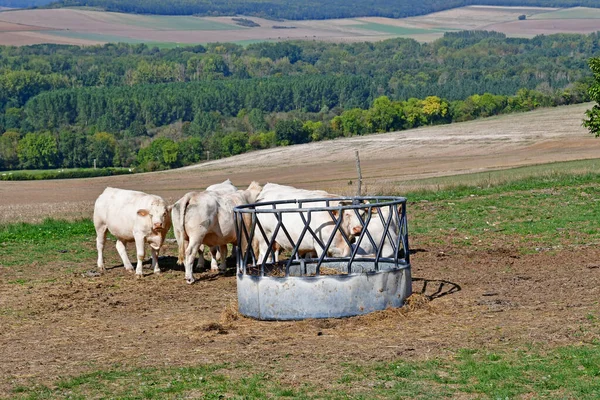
139, 276
129, 269
157, 272
190, 281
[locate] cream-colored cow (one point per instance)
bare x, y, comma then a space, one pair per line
207, 218
131, 217
321, 223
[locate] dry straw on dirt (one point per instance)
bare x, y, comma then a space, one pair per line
230, 313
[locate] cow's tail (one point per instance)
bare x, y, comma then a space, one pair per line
183, 202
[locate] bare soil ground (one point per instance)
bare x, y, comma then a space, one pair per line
493, 300
389, 163
75, 26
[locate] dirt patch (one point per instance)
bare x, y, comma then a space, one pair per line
464, 299
10, 27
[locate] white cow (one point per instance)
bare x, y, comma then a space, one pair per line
131, 217
321, 223
375, 227
207, 218
216, 252
223, 187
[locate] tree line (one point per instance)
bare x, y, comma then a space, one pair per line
131, 105
307, 9
185, 143
455, 66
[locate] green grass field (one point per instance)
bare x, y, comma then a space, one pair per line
571, 372
166, 22
62, 173
393, 30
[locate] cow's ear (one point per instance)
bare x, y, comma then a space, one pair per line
169, 209
335, 213
357, 229
143, 212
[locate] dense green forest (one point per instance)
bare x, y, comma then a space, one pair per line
131, 105
307, 9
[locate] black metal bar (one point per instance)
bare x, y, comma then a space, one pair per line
405, 235
296, 250
326, 249
357, 242
387, 230
238, 236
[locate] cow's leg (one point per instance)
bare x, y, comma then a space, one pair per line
214, 256
100, 239
140, 251
262, 251
121, 249
223, 251
318, 249
155, 260
190, 255
276, 251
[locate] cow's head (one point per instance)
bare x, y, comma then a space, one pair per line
159, 215
252, 192
352, 219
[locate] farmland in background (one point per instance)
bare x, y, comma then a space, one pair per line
84, 26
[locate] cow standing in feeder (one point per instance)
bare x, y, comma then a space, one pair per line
322, 223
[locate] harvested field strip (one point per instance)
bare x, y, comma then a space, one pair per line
570, 13
94, 37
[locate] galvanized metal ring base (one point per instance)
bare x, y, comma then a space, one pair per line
374, 274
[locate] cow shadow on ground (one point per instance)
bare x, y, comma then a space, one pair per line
434, 288
169, 263
201, 266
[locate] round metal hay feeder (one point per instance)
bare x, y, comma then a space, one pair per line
347, 273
